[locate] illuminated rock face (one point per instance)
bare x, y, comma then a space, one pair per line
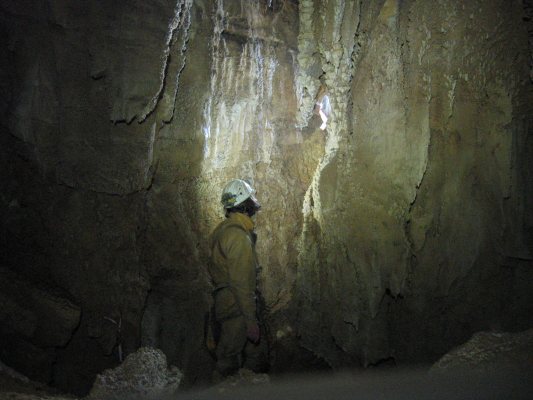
396, 233
414, 224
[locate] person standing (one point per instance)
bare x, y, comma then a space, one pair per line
233, 270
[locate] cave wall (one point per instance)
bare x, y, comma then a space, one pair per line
417, 229
395, 234
117, 142
82, 84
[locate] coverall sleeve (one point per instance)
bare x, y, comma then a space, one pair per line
241, 270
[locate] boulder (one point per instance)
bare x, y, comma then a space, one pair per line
490, 352
143, 375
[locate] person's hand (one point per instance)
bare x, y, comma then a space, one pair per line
252, 332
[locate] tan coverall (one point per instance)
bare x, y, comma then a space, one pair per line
233, 271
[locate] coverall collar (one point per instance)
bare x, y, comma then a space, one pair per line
242, 219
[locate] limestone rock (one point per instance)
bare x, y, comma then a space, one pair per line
15, 386
38, 313
34, 319
411, 222
396, 233
143, 375
490, 352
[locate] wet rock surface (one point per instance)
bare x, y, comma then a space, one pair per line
393, 235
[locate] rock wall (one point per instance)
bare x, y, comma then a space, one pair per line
83, 103
396, 233
117, 141
416, 226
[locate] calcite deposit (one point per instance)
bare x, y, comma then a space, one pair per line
414, 222
392, 236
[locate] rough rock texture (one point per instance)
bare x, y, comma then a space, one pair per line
73, 192
234, 117
14, 386
143, 375
115, 148
34, 319
489, 352
395, 234
416, 226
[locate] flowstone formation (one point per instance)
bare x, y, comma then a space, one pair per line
391, 236
123, 123
416, 226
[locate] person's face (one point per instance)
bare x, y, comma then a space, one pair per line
252, 208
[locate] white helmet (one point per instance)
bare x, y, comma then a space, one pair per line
236, 192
